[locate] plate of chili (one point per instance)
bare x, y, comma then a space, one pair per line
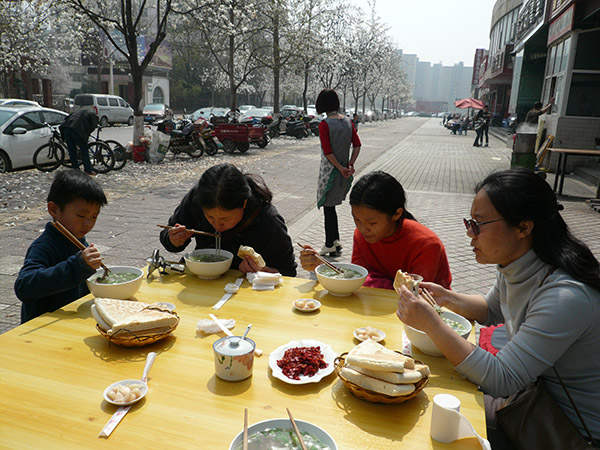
302, 361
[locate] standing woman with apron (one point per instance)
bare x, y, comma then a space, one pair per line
337, 134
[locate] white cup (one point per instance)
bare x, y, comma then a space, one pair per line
445, 418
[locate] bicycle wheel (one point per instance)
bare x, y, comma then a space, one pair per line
101, 157
49, 156
120, 154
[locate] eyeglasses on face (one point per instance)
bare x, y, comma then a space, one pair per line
474, 226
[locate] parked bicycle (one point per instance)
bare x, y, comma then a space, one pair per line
50, 156
117, 148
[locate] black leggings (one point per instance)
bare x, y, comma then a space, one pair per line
332, 232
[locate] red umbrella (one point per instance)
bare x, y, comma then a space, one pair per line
468, 103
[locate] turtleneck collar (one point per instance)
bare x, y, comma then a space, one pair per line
523, 268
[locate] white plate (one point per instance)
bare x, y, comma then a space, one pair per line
328, 356
379, 339
316, 431
144, 390
306, 309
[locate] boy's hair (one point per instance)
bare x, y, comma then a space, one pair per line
71, 184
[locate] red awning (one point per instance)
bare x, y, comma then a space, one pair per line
468, 103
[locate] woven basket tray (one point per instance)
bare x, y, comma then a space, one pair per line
126, 338
371, 396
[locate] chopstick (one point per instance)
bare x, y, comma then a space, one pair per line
66, 233
302, 444
205, 233
324, 261
245, 428
427, 296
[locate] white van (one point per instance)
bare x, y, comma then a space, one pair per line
109, 108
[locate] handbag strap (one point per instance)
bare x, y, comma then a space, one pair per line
589, 435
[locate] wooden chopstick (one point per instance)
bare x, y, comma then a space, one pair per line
302, 444
427, 295
324, 261
245, 428
205, 233
66, 233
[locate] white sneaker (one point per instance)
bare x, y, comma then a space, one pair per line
338, 245
326, 250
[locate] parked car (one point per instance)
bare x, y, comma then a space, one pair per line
208, 111
110, 109
257, 114
288, 111
244, 108
18, 102
157, 111
22, 132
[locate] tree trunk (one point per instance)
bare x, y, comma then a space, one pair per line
138, 102
230, 67
276, 60
305, 90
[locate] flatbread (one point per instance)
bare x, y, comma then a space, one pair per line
130, 315
374, 356
373, 384
99, 320
404, 279
249, 251
406, 377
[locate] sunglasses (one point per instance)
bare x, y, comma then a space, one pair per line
474, 226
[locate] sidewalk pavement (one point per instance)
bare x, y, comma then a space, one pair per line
439, 171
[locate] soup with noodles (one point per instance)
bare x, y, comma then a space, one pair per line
281, 439
116, 278
208, 258
458, 327
346, 273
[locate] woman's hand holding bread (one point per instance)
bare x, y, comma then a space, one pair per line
308, 260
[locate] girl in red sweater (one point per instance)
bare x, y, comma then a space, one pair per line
388, 238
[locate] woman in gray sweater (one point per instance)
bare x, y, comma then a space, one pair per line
547, 293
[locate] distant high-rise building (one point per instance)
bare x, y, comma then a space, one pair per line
435, 82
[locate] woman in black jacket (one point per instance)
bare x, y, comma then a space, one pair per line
239, 207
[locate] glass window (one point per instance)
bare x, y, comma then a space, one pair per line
122, 103
84, 100
551, 59
559, 52
586, 56
584, 95
565, 58
102, 101
5, 115
113, 101
53, 118
158, 96
29, 121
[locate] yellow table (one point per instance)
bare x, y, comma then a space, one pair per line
53, 370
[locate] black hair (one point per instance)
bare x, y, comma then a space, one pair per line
71, 184
225, 186
537, 105
382, 192
327, 101
519, 194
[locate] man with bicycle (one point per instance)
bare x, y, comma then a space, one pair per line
76, 130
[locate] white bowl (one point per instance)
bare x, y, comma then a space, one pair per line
420, 339
143, 387
342, 287
314, 430
208, 270
121, 291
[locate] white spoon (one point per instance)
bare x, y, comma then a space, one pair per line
236, 343
141, 384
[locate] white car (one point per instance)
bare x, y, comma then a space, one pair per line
22, 132
19, 102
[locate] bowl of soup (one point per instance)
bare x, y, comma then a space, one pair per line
343, 284
121, 283
278, 433
424, 343
205, 263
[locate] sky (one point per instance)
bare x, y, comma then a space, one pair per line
446, 31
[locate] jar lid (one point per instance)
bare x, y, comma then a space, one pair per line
234, 346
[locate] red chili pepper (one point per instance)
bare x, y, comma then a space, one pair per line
301, 361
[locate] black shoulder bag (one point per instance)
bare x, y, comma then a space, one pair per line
532, 420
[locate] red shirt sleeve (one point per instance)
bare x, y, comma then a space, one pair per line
324, 136
355, 138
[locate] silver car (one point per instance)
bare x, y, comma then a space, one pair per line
22, 132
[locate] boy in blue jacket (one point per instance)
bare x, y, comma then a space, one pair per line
55, 270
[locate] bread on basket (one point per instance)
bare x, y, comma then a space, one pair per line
374, 373
132, 324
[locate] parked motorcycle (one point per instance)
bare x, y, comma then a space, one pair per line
294, 126
208, 135
184, 139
